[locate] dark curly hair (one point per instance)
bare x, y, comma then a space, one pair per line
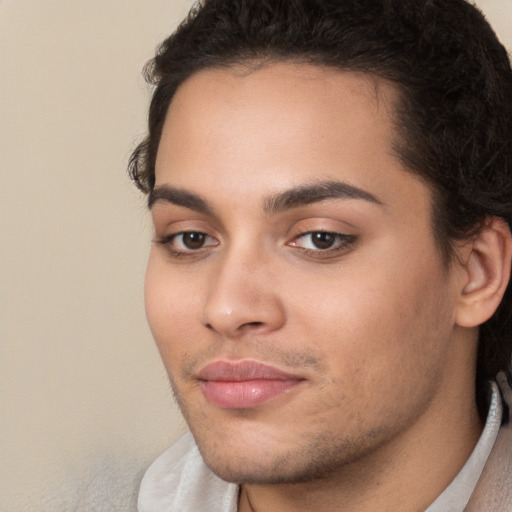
454, 118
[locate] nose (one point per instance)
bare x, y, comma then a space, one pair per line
242, 298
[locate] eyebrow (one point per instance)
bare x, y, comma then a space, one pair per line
314, 193
293, 198
179, 197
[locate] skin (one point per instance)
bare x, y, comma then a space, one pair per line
370, 324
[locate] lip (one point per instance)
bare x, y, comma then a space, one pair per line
244, 384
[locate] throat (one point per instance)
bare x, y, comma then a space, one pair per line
244, 502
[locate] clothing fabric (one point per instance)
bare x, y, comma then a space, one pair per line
456, 496
180, 481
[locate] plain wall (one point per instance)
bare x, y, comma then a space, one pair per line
84, 399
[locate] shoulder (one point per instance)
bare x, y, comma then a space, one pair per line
179, 480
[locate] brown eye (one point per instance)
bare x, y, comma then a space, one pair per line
188, 242
323, 240
193, 240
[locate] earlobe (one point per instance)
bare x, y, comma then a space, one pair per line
487, 273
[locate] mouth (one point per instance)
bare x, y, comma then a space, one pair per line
244, 384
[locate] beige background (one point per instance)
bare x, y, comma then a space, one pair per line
84, 400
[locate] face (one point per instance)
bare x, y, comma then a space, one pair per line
294, 288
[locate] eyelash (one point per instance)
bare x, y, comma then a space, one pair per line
344, 242
168, 240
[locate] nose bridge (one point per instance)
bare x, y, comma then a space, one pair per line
241, 296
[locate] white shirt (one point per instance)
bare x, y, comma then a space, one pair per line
180, 481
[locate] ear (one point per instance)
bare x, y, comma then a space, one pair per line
487, 273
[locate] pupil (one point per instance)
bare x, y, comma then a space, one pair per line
323, 240
193, 240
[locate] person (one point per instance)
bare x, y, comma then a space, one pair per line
328, 285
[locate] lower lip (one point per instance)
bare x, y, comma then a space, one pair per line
245, 394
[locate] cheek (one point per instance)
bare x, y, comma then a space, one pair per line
173, 311
378, 326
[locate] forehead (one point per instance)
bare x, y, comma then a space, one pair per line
309, 100
262, 129
301, 92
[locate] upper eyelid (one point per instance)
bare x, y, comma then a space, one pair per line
171, 236
297, 232
325, 231
344, 241
172, 227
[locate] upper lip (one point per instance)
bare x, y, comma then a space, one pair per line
239, 371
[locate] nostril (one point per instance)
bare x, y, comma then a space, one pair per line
245, 326
249, 325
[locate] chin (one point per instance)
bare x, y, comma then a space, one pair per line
271, 465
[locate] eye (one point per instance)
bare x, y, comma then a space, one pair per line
322, 241
188, 241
